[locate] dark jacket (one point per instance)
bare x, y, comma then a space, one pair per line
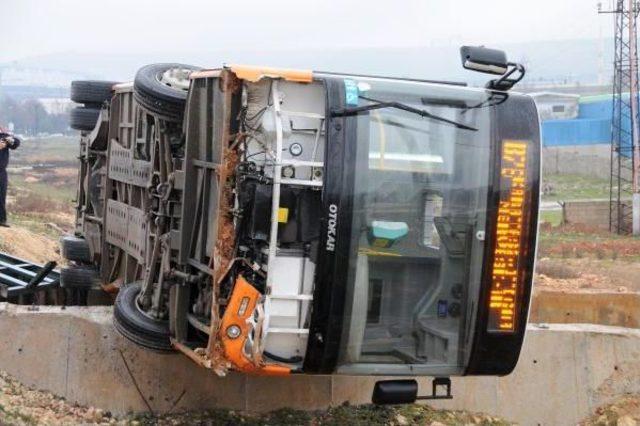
4, 153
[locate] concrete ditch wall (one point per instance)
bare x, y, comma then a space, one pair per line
604, 308
564, 373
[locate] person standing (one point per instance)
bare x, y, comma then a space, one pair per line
7, 141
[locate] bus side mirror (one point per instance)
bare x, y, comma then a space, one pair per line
395, 392
482, 59
492, 61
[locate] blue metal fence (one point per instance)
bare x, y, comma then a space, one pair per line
585, 131
592, 126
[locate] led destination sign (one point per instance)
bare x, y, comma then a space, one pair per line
506, 276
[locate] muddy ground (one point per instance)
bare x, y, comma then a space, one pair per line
28, 245
41, 210
625, 411
579, 258
576, 275
20, 405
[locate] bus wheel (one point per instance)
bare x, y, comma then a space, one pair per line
83, 118
79, 277
75, 249
136, 325
91, 92
162, 89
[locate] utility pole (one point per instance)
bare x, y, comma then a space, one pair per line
633, 57
624, 211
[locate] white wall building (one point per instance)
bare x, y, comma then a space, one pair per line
56, 105
556, 106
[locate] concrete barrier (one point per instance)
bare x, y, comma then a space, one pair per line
604, 308
584, 160
564, 373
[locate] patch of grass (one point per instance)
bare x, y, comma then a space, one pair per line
15, 416
31, 202
574, 187
57, 149
572, 242
41, 225
552, 217
415, 414
41, 209
560, 235
60, 193
556, 269
359, 415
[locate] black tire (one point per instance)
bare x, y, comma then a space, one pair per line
91, 92
133, 324
83, 118
75, 249
158, 97
79, 277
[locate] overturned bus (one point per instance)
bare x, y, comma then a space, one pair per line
277, 221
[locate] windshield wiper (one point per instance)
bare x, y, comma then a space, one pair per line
494, 99
346, 112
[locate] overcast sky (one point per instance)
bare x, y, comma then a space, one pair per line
37, 27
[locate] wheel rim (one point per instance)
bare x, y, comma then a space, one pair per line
136, 302
176, 78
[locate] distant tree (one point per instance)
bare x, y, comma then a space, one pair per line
30, 117
35, 116
8, 109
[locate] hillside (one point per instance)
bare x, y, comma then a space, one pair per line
560, 61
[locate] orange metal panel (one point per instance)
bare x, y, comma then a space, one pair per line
241, 308
256, 73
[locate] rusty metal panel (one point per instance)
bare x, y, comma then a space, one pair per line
120, 163
136, 234
124, 168
212, 214
92, 233
127, 229
202, 95
140, 173
116, 226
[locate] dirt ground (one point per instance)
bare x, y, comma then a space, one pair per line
576, 275
623, 412
40, 211
29, 245
578, 258
20, 405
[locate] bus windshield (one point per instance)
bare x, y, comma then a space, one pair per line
417, 236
